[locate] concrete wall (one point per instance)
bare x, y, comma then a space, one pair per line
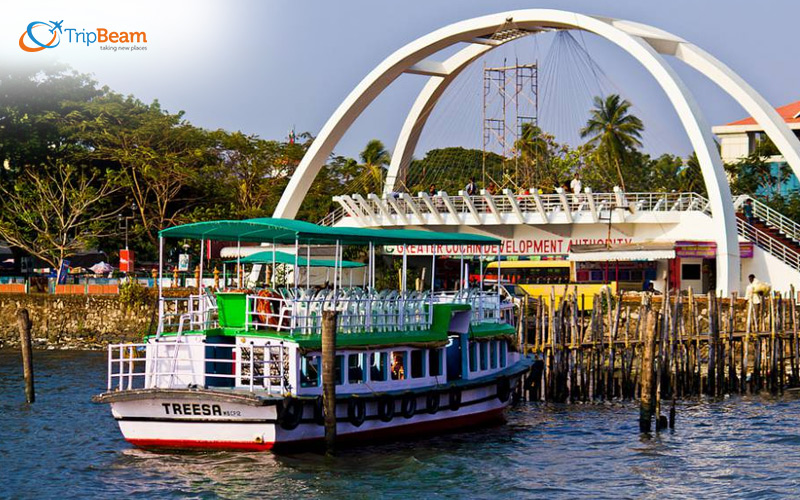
769, 269
91, 321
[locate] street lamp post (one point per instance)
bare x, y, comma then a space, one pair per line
124, 222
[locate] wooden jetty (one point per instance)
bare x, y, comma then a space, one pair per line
701, 345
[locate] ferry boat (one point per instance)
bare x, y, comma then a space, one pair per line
241, 368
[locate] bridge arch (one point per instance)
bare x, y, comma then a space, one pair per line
644, 43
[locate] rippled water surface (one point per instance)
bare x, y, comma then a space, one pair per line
64, 446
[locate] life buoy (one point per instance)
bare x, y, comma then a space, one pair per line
290, 412
455, 398
503, 389
385, 408
432, 402
268, 308
356, 411
408, 406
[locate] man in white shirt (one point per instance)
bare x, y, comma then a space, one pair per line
576, 185
753, 290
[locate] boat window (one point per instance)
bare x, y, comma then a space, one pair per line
377, 372
338, 369
484, 355
355, 368
473, 356
417, 363
493, 354
398, 365
435, 362
502, 349
309, 371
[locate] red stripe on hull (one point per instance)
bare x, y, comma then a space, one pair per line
207, 445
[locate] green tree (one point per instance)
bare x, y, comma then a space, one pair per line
250, 168
161, 157
53, 212
756, 174
34, 102
374, 160
613, 131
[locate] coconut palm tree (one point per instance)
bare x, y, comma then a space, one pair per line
374, 159
613, 130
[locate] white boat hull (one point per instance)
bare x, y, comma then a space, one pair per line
207, 422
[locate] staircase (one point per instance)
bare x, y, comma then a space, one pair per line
770, 230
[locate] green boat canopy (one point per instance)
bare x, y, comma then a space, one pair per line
287, 231
266, 257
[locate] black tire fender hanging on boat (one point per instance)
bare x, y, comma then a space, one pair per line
455, 398
432, 402
319, 411
290, 412
385, 408
356, 411
409, 405
503, 389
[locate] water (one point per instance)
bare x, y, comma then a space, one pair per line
64, 446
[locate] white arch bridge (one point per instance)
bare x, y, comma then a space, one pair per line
645, 43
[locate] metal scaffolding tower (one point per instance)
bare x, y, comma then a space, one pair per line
510, 100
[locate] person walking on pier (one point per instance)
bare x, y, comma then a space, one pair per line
748, 211
753, 291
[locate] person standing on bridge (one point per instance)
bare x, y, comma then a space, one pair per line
471, 188
575, 186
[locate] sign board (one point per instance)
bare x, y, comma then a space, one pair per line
183, 262
708, 249
746, 249
126, 261
523, 246
696, 249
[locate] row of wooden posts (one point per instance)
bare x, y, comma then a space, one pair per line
659, 347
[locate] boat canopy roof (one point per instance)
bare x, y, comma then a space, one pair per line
288, 231
268, 257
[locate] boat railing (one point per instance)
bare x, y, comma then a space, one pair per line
487, 306
180, 314
182, 364
359, 311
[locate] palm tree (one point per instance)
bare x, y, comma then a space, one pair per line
533, 149
613, 130
374, 159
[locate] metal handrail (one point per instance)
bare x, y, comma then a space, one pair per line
772, 217
769, 244
551, 202
141, 365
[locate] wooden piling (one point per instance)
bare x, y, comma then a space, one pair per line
646, 402
329, 377
24, 324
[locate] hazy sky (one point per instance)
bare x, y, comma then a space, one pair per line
265, 66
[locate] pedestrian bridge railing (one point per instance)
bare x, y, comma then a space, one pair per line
401, 209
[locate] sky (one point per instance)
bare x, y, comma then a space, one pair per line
267, 66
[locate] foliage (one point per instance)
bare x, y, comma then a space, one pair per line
544, 164
613, 132
52, 212
132, 293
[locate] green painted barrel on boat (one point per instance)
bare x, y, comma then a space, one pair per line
232, 309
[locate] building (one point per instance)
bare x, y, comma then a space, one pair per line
738, 140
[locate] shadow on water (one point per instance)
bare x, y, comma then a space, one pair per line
64, 446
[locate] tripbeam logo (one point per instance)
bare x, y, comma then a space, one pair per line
54, 30
40, 35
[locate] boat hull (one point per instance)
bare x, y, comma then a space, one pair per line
205, 421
